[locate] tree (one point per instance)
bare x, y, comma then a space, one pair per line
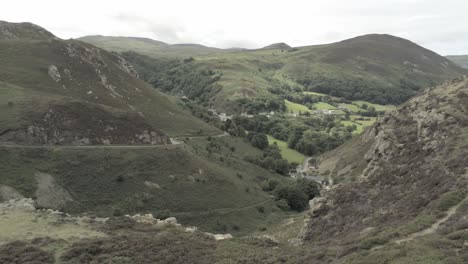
282, 166
294, 196
259, 140
310, 188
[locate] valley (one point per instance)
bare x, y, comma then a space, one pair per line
132, 150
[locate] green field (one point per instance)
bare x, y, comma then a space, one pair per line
377, 107
296, 108
352, 107
316, 94
360, 124
289, 154
324, 106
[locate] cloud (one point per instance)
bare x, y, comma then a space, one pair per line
435, 24
166, 31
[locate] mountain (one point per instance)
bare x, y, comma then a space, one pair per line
280, 45
408, 204
81, 133
149, 47
410, 195
381, 69
23, 31
461, 60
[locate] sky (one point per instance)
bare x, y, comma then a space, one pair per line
439, 25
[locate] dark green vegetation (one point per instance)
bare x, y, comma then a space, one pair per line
293, 196
377, 68
461, 60
308, 135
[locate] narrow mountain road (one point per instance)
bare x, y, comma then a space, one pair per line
86, 146
305, 164
174, 143
433, 228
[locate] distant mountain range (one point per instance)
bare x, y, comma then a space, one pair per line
461, 60
379, 68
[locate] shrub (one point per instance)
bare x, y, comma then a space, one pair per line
294, 196
261, 209
20, 252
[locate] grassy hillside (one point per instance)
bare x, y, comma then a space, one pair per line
148, 47
380, 69
289, 154
461, 60
40, 74
81, 133
183, 181
409, 206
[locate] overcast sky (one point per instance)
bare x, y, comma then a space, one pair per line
440, 25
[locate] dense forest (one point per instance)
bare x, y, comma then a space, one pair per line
352, 88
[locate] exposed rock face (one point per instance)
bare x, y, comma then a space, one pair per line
49, 194
419, 152
80, 124
54, 73
8, 193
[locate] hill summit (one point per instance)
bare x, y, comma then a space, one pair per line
280, 45
23, 31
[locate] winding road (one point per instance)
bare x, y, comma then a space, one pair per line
174, 143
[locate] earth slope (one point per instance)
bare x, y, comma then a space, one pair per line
416, 174
461, 60
81, 133
70, 92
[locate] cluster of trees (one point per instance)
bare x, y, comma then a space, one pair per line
352, 88
308, 135
271, 158
261, 104
294, 196
181, 77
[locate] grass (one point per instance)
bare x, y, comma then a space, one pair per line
316, 94
360, 124
324, 106
215, 190
378, 107
20, 225
290, 155
353, 108
148, 47
26, 83
296, 108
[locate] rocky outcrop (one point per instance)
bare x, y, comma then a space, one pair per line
23, 31
418, 154
8, 193
49, 194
